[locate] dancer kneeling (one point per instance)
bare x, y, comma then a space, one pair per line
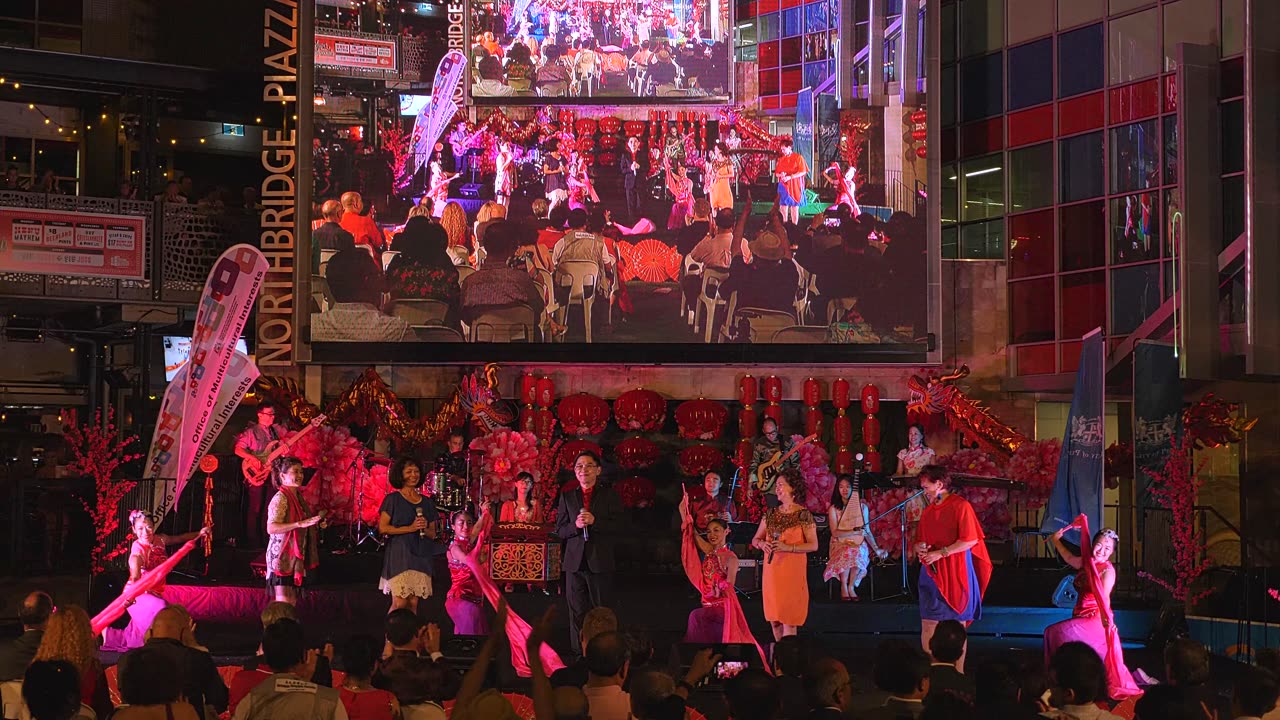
1092, 622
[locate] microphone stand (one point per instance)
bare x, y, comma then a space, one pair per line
901, 509
360, 532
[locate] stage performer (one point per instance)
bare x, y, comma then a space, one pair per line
632, 177
792, 172
681, 188
720, 173
408, 519
581, 189
786, 536
720, 619
504, 181
771, 444
294, 547
146, 552
1092, 622
525, 508
711, 504
465, 601
553, 176
845, 187
587, 519
253, 445
916, 456
851, 545
438, 187
954, 565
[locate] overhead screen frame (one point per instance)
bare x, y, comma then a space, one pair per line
602, 102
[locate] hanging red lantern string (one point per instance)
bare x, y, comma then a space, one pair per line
843, 426
871, 426
812, 414
773, 398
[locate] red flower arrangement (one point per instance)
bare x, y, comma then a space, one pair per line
636, 453
1119, 463
636, 491
988, 503
545, 489
1177, 488
335, 455
815, 467
697, 460
97, 450
750, 502
506, 453
888, 530
1036, 464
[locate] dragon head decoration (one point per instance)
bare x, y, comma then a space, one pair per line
938, 395
479, 399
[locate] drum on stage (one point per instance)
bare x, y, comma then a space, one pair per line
524, 553
446, 494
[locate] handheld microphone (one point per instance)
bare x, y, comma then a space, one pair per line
423, 532
586, 506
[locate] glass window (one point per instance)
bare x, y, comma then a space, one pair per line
1031, 311
949, 33
1170, 149
70, 12
21, 9
1119, 6
791, 22
1031, 74
1080, 166
1135, 294
1135, 228
1135, 47
748, 53
746, 33
1080, 61
948, 96
1083, 231
1135, 161
1171, 200
815, 17
1084, 303
982, 188
950, 243
950, 195
59, 38
58, 155
981, 26
1232, 27
1233, 137
1031, 177
17, 34
1031, 244
981, 88
1190, 21
1077, 12
1232, 209
1028, 19
982, 241
769, 27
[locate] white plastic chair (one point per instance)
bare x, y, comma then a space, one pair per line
463, 272
765, 324
582, 277
708, 301
419, 311
688, 267
838, 306
507, 325
321, 296
436, 334
801, 335
325, 256
387, 257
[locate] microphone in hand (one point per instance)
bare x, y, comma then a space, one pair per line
423, 531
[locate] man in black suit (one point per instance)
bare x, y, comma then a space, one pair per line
947, 647
828, 689
16, 655
171, 635
587, 519
631, 157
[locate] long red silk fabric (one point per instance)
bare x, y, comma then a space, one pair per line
736, 629
517, 629
1120, 684
942, 524
149, 580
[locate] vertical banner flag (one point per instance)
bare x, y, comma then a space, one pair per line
1078, 486
826, 131
1157, 414
436, 114
203, 395
802, 137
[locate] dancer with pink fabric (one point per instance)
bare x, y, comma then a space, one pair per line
1092, 621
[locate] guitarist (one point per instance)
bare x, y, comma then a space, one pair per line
771, 443
251, 446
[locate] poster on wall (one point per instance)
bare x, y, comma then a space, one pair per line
50, 242
351, 53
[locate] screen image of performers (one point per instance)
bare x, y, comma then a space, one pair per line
916, 456
632, 177
581, 189
504, 181
681, 187
453, 464
955, 567
468, 550
147, 551
710, 504
587, 519
845, 186
851, 544
786, 536
792, 172
554, 185
524, 508
252, 445
1092, 621
408, 519
293, 547
720, 174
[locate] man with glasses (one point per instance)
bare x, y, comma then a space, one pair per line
771, 444
587, 519
252, 445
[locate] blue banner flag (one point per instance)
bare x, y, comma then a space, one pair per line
802, 137
1157, 414
1078, 486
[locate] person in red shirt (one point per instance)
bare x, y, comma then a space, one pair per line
362, 227
792, 172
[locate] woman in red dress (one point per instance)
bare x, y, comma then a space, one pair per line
465, 601
681, 188
360, 698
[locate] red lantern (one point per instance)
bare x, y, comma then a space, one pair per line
844, 461
586, 144
528, 389
570, 450
870, 431
748, 422
872, 461
773, 389
636, 453
583, 414
812, 421
870, 399
922, 152
610, 125
701, 419
586, 126
697, 460
640, 409
528, 419
546, 394
566, 118
748, 390
843, 430
608, 142
636, 492
608, 159
812, 392
840, 394
544, 423
634, 128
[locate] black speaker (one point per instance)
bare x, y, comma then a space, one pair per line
750, 575
460, 653
471, 190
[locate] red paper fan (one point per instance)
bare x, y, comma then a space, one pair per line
652, 260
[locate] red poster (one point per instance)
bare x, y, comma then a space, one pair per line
359, 53
52, 242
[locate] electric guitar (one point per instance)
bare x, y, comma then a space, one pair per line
767, 471
275, 449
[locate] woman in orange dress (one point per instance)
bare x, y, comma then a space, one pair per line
720, 173
786, 536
